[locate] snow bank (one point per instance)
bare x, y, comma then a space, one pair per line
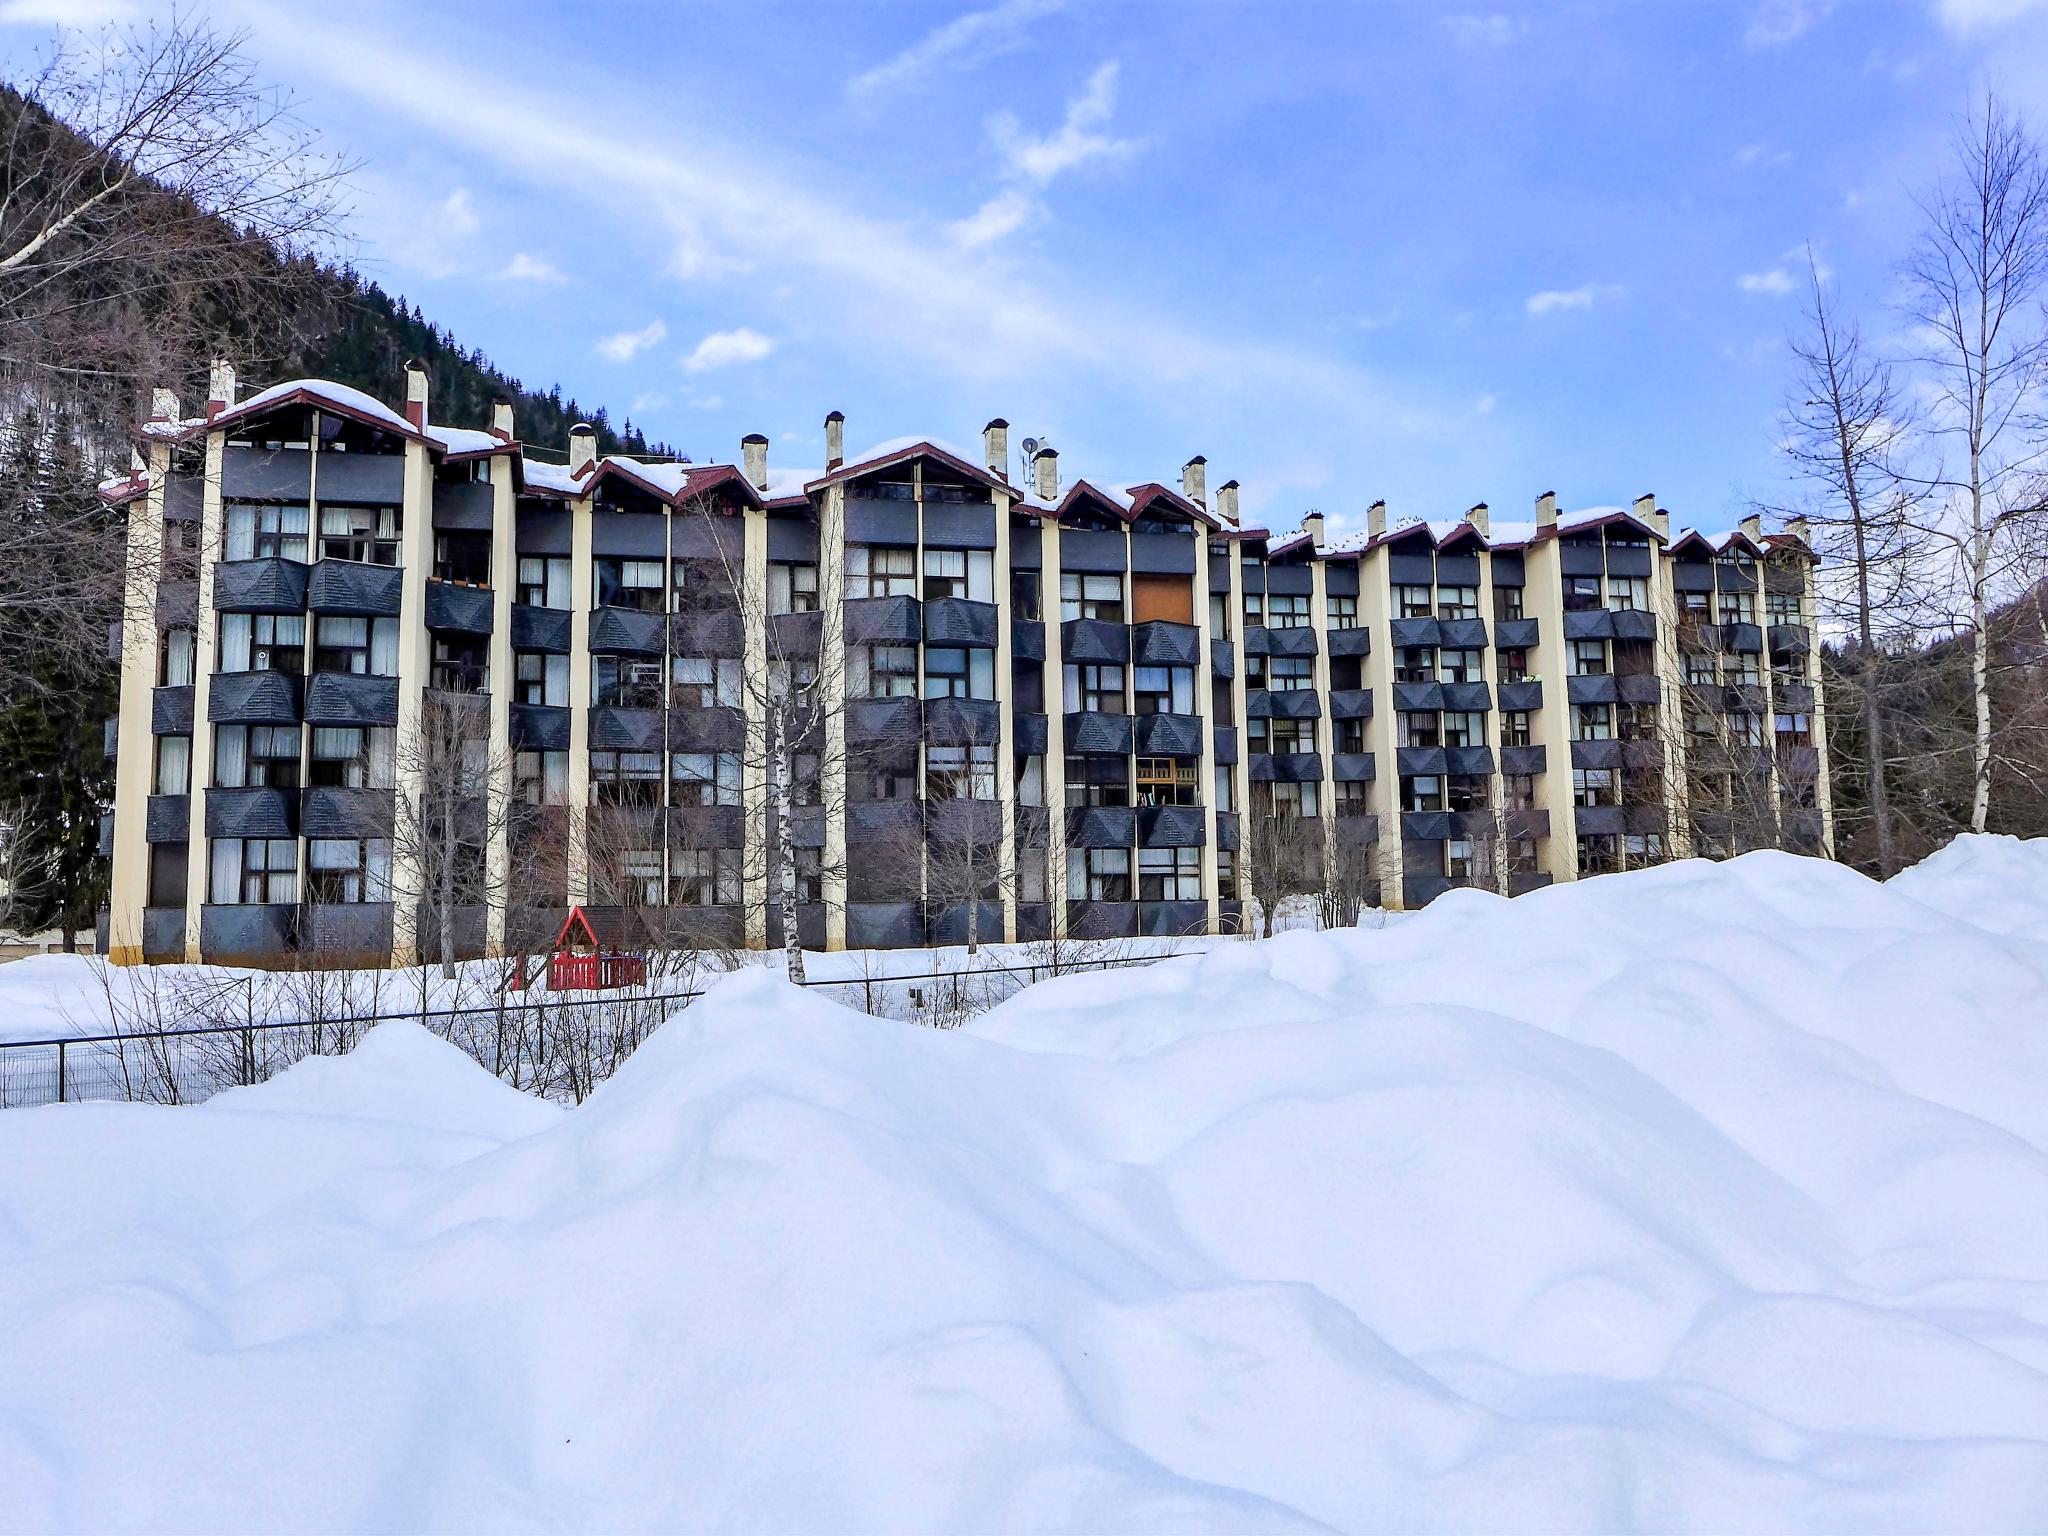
1701, 1198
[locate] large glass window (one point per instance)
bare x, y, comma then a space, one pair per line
1414, 602
365, 647
1024, 596
1281, 737
1168, 780
967, 573
792, 587
1098, 778
541, 678
637, 584
1465, 728
540, 778
1415, 664
1587, 658
954, 672
704, 682
348, 870
368, 534
627, 682
1737, 607
1163, 690
1351, 797
263, 642
704, 877
1422, 792
1287, 610
1169, 874
544, 581
352, 757
1628, 593
251, 756
1457, 602
1419, 728
173, 765
1461, 666
1085, 596
264, 532
960, 773
1297, 799
881, 570
1594, 786
254, 870
1507, 604
1095, 686
1343, 611
1592, 722
174, 660
704, 778
882, 672
1290, 674
1099, 874
1581, 594
625, 778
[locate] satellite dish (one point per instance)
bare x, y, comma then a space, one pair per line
1030, 447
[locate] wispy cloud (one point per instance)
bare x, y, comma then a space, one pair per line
1761, 154
1379, 320
1491, 30
1582, 297
627, 345
707, 402
523, 268
1777, 22
1967, 16
1485, 403
1004, 214
1775, 283
975, 37
721, 349
1032, 163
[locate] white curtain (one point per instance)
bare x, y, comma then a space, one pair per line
227, 871
241, 534
554, 778
384, 648
980, 576
177, 657
377, 869
173, 764
230, 756
555, 681
234, 642
383, 756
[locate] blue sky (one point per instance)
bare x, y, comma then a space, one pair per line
1432, 254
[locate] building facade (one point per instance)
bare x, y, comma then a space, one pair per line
1030, 705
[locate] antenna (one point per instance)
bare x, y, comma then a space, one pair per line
1030, 448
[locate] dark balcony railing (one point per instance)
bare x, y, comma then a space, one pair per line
458, 610
352, 587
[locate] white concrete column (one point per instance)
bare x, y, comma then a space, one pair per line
504, 683
1670, 706
1006, 717
1205, 694
1496, 737
1376, 612
1241, 770
582, 594
753, 601
415, 560
205, 659
832, 678
1055, 725
1326, 723
1543, 601
135, 743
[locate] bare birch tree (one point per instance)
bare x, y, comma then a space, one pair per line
443, 827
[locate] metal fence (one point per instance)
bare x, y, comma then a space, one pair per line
559, 1046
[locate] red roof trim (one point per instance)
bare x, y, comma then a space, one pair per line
917, 450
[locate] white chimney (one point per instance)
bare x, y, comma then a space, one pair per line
1194, 480
1312, 525
995, 447
835, 441
1482, 519
163, 405
1376, 520
1546, 511
1045, 470
1226, 502
1799, 528
582, 450
220, 387
501, 418
754, 459
1753, 525
416, 394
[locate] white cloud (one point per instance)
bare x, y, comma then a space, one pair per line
1776, 283
1078, 140
1776, 22
457, 217
414, 229
707, 402
722, 348
1968, 16
1485, 403
523, 268
974, 38
627, 345
1004, 214
1582, 297
1380, 320
66, 13
1761, 154
1493, 30
647, 400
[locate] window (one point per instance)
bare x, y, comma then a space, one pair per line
1098, 778
967, 573
1169, 874
625, 778
704, 682
1592, 722
1507, 604
1643, 848
173, 765
1219, 616
1031, 780
881, 570
460, 664
1598, 854
1457, 602
464, 558
1742, 671
1415, 664
353, 757
1747, 728
1699, 669
1226, 873
1461, 666
953, 672
792, 587
364, 647
1254, 607
1422, 792
1593, 786
1287, 610
893, 782
1352, 798
174, 658
1414, 602
1282, 737
348, 870
1458, 863
636, 584
1794, 730
810, 875
1226, 791
1095, 686
639, 877
883, 672
251, 756
1512, 664
368, 534
1467, 792
960, 773
1465, 728
253, 870
264, 642
1638, 722
625, 682
1350, 735
1693, 608
1781, 607
1343, 612
1290, 674
1587, 658
1581, 594
540, 679
264, 533
1099, 874
1518, 791
1163, 690
1628, 593
544, 581
1737, 607
1419, 728
1024, 597
704, 778
1168, 780
1790, 667
1297, 800
541, 778
1514, 728
1083, 596
704, 877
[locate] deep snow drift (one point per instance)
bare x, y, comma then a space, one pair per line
1704, 1198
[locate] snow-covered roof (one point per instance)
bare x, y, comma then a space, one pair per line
551, 478
126, 487
341, 397
466, 440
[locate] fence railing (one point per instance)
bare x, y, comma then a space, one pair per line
558, 1045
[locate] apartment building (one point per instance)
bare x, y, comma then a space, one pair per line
1035, 704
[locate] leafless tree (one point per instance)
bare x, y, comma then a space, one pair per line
963, 854
1280, 854
447, 812
1975, 285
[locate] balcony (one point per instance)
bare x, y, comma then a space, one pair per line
378, 478
1172, 919
627, 632
1087, 731
1227, 831
1425, 826
247, 932
795, 634
1350, 703
1520, 761
957, 621
1283, 704
540, 629
883, 722
253, 698
1166, 735
1163, 643
966, 824
1521, 696
1102, 826
1410, 761
1589, 624
258, 812
1787, 638
170, 710
1516, 634
1299, 640
1286, 767
1351, 641
540, 727
1527, 824
260, 586
1226, 745
1596, 754
884, 924
358, 930
168, 819
1094, 640
1634, 624
1522, 881
1407, 632
1599, 820
883, 621
1427, 697
1171, 826
1742, 639
1027, 640
947, 923
1596, 688
1468, 759
884, 821
616, 728
458, 610
1467, 696
353, 588
163, 933
962, 722
708, 826
1102, 919
709, 632
1467, 634
706, 728
1360, 831
1351, 767
1222, 659
1030, 735
1639, 688
351, 698
328, 810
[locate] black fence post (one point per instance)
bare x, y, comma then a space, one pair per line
60, 1071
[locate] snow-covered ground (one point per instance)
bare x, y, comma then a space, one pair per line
1706, 1198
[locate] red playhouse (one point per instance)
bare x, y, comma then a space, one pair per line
581, 964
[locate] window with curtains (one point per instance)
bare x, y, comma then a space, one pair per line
1740, 670
1085, 596
256, 532
1457, 602
539, 678
1418, 728
625, 778
1350, 735
363, 647
1515, 728
262, 642
1287, 610
637, 584
1290, 674
704, 877
348, 870
1024, 596
701, 586
704, 778
1343, 611
1226, 790
1254, 607
1455, 665
1781, 607
625, 682
1414, 601
960, 773
703, 682
540, 778
1219, 616
968, 573
1282, 738
1415, 664
792, 586
1096, 686
1586, 658
1628, 593
1226, 873
881, 672
249, 871
252, 756
544, 581
1098, 778
1169, 874
1507, 604
1031, 780
461, 664
1464, 728
1163, 690
1737, 607
1592, 722
953, 672
367, 534
881, 570
1352, 798
1518, 791
1422, 792
173, 765
1099, 874
640, 881
353, 757
174, 658
1297, 799
1594, 786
